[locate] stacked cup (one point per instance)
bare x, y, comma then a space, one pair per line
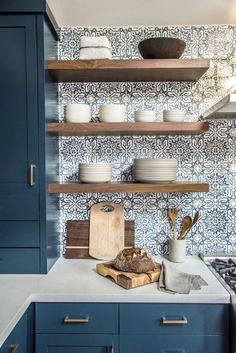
175, 116
144, 116
95, 172
155, 170
77, 113
112, 113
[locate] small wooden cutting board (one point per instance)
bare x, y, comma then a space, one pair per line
106, 233
128, 280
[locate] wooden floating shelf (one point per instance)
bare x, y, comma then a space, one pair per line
138, 70
113, 129
178, 186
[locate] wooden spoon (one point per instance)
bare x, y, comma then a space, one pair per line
173, 214
195, 219
186, 226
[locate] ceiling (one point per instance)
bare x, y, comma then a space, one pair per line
73, 13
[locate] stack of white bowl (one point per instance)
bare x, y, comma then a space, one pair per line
77, 113
95, 172
155, 170
112, 113
144, 116
175, 116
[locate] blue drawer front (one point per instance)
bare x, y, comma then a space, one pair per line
19, 234
19, 208
76, 343
202, 319
19, 261
173, 344
102, 318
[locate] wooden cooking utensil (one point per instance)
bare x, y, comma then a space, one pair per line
106, 234
195, 219
173, 214
186, 225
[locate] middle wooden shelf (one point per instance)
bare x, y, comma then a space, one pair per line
128, 187
128, 128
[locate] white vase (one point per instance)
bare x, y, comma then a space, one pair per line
177, 250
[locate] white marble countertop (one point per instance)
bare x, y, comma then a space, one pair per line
77, 281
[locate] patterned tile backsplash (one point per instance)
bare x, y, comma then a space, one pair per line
210, 157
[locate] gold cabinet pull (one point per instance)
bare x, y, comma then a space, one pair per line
14, 347
83, 320
182, 321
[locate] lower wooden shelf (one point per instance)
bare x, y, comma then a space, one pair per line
177, 186
119, 129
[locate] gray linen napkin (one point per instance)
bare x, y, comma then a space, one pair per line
174, 281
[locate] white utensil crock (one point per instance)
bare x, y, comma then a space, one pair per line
177, 250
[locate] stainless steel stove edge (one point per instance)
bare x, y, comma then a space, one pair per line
207, 258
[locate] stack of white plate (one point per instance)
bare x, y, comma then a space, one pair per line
144, 116
155, 170
77, 113
112, 113
95, 172
176, 116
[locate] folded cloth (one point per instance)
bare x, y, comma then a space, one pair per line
95, 53
174, 281
94, 42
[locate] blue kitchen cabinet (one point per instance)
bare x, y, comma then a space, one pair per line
28, 99
17, 340
21, 339
132, 328
172, 344
77, 327
174, 328
63, 343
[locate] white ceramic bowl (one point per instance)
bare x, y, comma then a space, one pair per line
112, 108
77, 107
174, 119
173, 111
95, 172
78, 117
112, 113
78, 113
112, 119
155, 162
144, 116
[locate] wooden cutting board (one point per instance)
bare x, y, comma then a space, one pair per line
106, 233
128, 280
77, 238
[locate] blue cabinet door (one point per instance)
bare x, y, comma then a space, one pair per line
71, 343
173, 344
19, 192
17, 341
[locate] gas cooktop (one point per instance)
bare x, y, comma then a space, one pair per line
224, 268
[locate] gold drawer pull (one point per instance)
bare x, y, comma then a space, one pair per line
68, 320
183, 321
14, 348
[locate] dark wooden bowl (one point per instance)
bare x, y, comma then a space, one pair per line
161, 48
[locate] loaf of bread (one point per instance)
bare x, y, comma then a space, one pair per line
134, 260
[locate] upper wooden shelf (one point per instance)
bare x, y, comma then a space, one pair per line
114, 129
138, 70
177, 186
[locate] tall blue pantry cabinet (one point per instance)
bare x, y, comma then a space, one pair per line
28, 157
